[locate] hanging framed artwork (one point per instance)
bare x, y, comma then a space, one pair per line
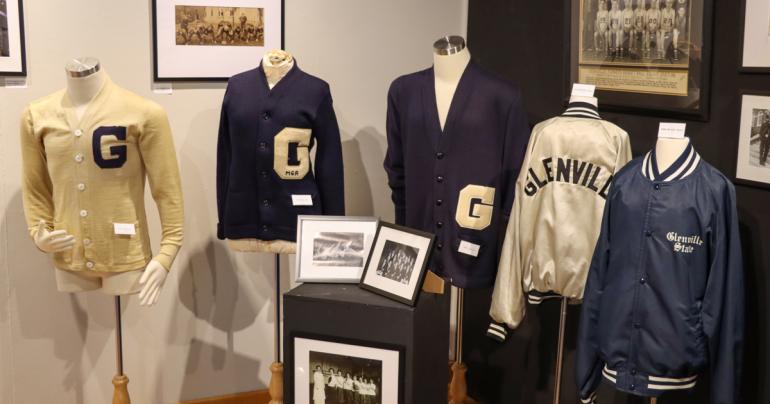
755, 36
644, 56
753, 162
211, 40
12, 52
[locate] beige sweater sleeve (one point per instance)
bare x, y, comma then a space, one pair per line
159, 156
36, 183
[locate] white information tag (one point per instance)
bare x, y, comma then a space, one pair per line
163, 88
469, 248
15, 82
302, 200
583, 90
671, 130
125, 229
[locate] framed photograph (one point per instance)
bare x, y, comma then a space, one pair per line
211, 40
397, 262
339, 371
333, 248
756, 36
644, 56
753, 165
12, 54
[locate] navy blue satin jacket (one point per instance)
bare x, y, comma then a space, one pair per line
264, 174
664, 299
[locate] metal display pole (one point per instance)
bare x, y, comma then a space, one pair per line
120, 381
560, 350
276, 368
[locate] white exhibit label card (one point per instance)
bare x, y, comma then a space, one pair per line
302, 200
163, 88
125, 229
15, 82
469, 248
583, 90
670, 130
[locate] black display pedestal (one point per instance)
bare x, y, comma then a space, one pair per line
349, 312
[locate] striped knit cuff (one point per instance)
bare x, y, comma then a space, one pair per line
591, 399
497, 331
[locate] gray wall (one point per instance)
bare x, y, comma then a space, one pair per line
211, 332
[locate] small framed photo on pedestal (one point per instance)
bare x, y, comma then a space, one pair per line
753, 163
333, 249
397, 262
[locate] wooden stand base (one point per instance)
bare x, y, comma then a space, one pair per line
458, 388
433, 284
276, 383
120, 396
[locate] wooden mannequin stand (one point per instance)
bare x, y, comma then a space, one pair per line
120, 381
458, 387
276, 368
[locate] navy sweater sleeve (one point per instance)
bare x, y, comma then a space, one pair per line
516, 140
394, 158
589, 365
328, 160
723, 304
223, 163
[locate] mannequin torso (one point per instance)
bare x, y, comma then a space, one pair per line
448, 69
667, 150
81, 90
276, 64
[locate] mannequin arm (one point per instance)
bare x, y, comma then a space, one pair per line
52, 241
152, 281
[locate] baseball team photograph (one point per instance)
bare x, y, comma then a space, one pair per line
338, 379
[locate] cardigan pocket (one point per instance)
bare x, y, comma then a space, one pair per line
127, 248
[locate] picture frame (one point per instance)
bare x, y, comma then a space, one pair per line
333, 249
755, 36
379, 369
672, 80
13, 55
754, 141
212, 40
397, 262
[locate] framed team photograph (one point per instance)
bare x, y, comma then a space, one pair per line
12, 53
397, 262
211, 40
333, 249
753, 163
331, 371
644, 56
756, 36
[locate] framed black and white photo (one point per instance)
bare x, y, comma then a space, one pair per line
397, 262
338, 371
644, 56
12, 54
333, 248
211, 40
756, 36
753, 165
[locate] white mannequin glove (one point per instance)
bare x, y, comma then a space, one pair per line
53, 241
152, 281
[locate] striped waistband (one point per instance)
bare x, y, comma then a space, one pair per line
655, 382
537, 297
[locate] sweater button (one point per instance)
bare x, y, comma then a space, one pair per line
633, 372
263, 174
264, 227
266, 116
648, 233
266, 203
439, 179
439, 224
440, 155
439, 246
439, 202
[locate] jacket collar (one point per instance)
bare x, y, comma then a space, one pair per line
582, 110
682, 167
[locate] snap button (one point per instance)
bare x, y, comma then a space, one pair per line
642, 280
633, 371
633, 386
657, 187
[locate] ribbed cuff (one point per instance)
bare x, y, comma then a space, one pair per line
166, 255
220, 231
590, 399
497, 331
